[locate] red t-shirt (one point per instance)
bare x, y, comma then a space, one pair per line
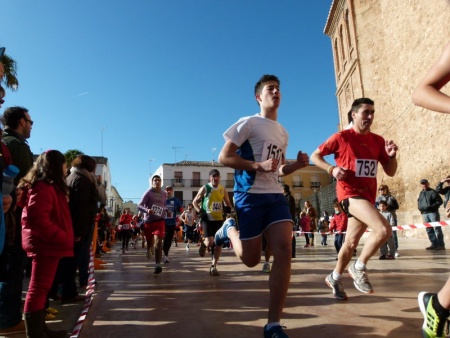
360, 154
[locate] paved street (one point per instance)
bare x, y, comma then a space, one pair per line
185, 301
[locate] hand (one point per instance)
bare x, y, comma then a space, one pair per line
391, 148
339, 173
7, 201
302, 159
270, 165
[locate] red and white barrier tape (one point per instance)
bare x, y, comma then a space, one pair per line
90, 289
399, 227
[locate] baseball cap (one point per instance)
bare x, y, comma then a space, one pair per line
423, 181
214, 172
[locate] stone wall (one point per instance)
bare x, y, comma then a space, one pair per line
396, 43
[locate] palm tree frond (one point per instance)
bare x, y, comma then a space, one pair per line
10, 78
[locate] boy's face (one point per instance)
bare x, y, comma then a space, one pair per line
270, 96
382, 207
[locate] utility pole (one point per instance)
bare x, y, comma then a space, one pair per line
175, 149
102, 140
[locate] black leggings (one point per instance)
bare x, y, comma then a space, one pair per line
126, 235
168, 238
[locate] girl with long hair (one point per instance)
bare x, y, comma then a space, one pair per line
47, 234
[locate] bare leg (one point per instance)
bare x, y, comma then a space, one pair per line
381, 231
158, 249
279, 239
444, 295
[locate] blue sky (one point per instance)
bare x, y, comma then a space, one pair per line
147, 82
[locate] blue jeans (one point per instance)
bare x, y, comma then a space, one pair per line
12, 263
338, 240
435, 233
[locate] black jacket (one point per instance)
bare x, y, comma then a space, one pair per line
429, 201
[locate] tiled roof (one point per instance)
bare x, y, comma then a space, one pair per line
196, 163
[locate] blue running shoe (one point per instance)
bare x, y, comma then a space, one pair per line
275, 332
222, 234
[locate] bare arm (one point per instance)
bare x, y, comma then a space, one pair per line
301, 162
229, 158
226, 198
427, 94
391, 167
338, 173
198, 199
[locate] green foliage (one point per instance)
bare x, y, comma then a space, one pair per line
71, 154
10, 78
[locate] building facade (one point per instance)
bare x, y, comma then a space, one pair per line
381, 50
187, 177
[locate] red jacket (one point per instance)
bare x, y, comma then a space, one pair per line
125, 219
46, 223
339, 222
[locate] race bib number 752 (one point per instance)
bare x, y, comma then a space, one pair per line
366, 168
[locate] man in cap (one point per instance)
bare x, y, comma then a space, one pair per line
428, 203
174, 208
209, 204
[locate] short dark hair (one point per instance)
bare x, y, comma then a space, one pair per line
263, 80
356, 105
155, 176
85, 162
383, 202
286, 188
13, 115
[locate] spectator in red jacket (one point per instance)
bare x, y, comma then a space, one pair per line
338, 225
47, 233
125, 228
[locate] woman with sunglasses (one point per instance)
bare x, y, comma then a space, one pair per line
392, 205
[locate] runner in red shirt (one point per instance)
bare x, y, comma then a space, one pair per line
357, 152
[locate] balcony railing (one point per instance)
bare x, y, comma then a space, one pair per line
195, 183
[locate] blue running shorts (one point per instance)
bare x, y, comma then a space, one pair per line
256, 212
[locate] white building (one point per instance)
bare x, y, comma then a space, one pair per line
103, 173
187, 177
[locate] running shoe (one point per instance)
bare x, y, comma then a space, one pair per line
266, 267
397, 254
360, 279
166, 260
213, 271
202, 249
158, 269
222, 234
306, 246
49, 316
52, 311
187, 247
275, 332
433, 324
336, 286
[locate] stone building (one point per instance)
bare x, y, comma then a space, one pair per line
381, 50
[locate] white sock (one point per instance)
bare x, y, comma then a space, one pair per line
336, 276
271, 325
359, 265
